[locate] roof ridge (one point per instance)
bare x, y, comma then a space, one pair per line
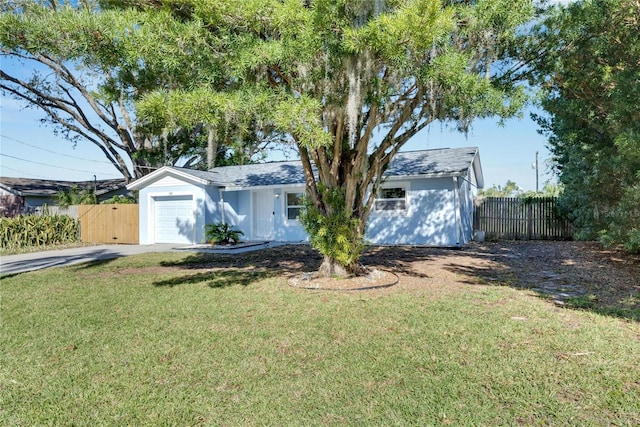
471, 147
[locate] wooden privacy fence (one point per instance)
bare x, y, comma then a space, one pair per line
115, 223
516, 218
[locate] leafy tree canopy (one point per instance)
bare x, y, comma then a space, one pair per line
586, 57
76, 196
511, 189
347, 83
92, 61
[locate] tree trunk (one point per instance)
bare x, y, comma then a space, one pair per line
212, 148
332, 268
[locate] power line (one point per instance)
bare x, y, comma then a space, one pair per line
46, 164
23, 172
55, 152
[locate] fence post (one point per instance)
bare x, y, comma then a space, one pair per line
529, 218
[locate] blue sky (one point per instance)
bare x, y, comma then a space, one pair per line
32, 150
29, 149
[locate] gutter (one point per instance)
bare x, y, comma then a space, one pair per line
222, 218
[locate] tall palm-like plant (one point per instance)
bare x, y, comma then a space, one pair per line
76, 196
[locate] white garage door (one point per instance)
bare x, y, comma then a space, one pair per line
174, 220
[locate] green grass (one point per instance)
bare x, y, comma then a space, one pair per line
141, 341
627, 308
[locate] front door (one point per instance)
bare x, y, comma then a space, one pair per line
263, 215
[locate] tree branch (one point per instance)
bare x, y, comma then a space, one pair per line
47, 101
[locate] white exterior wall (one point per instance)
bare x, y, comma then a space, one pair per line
241, 210
430, 217
439, 212
205, 207
287, 230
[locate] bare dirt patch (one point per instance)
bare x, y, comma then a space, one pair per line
560, 271
374, 279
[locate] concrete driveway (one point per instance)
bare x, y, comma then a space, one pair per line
13, 264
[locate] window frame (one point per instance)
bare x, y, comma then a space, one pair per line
404, 186
287, 206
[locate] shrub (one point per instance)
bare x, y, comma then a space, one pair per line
222, 233
34, 230
335, 236
120, 199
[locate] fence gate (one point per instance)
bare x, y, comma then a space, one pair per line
118, 223
516, 218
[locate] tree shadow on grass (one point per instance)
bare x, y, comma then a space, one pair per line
219, 278
287, 260
294, 259
405, 260
224, 270
578, 275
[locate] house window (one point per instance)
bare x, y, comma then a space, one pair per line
391, 199
294, 205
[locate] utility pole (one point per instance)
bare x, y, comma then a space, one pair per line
536, 171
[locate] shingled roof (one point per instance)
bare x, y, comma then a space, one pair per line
448, 161
423, 163
260, 174
28, 187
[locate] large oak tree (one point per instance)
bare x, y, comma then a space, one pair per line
349, 83
345, 82
85, 64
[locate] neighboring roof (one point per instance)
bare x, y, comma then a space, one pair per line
27, 187
425, 163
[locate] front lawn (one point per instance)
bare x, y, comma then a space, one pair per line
172, 339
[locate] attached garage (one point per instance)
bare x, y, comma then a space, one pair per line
175, 206
174, 220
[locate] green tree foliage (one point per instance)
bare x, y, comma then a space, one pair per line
346, 82
335, 235
91, 61
120, 199
586, 57
511, 189
76, 196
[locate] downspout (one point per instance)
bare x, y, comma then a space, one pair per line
222, 219
456, 207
